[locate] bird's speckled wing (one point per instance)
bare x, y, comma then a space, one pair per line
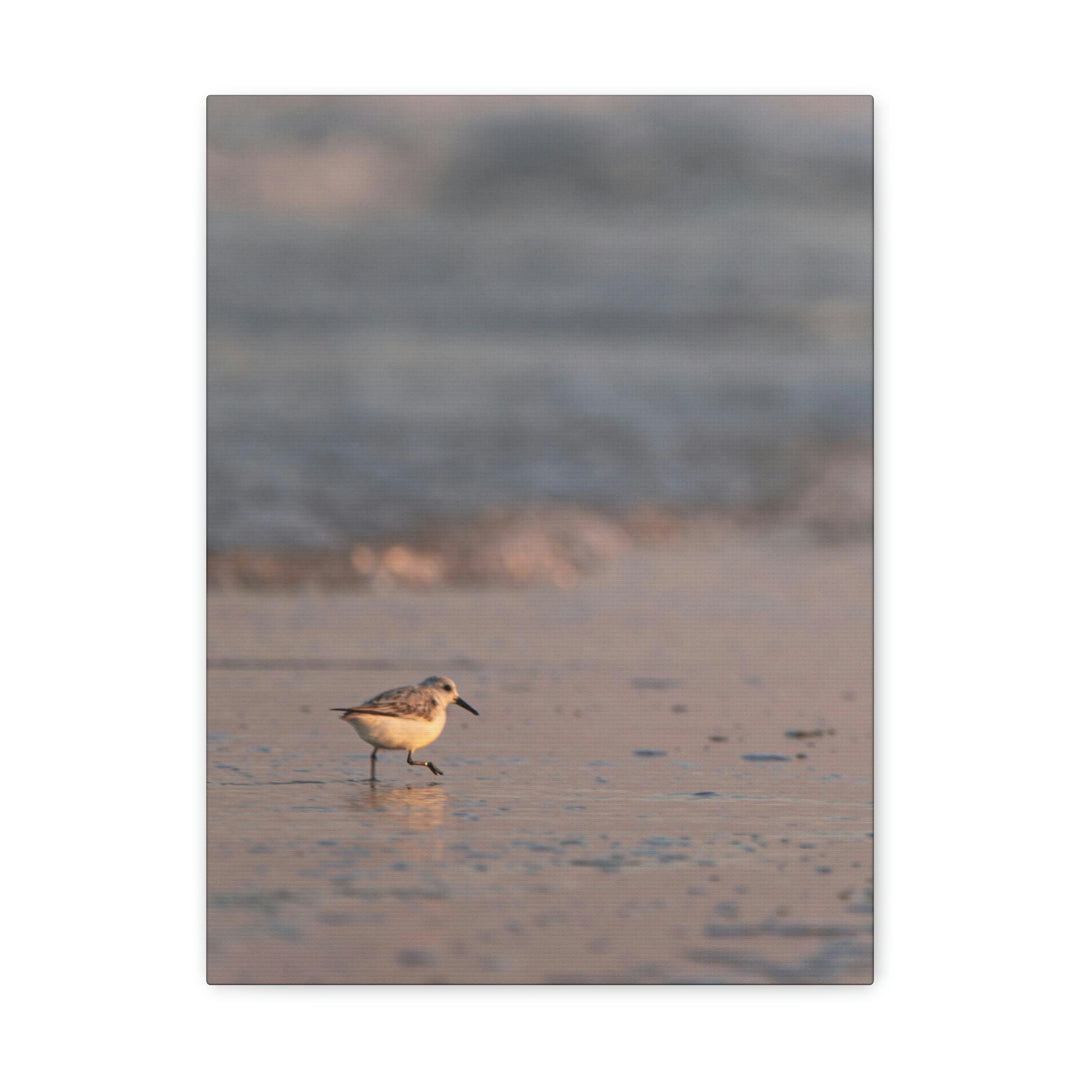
414, 701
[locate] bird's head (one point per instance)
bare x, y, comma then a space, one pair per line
448, 691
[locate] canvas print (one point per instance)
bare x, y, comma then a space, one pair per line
539, 540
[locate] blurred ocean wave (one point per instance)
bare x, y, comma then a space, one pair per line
425, 309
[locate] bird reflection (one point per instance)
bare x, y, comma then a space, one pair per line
410, 807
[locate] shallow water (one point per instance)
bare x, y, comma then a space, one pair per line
590, 826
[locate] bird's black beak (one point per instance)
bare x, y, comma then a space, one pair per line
465, 705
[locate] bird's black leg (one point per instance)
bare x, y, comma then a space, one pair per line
437, 771
373, 753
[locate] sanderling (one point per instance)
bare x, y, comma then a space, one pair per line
405, 718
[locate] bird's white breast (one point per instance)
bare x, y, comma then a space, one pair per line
397, 733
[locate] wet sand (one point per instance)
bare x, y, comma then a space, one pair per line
670, 779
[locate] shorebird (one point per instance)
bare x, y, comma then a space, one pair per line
405, 718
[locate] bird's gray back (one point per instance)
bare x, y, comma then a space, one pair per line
417, 701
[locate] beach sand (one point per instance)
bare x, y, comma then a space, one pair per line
670, 779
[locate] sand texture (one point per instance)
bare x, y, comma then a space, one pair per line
670, 779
